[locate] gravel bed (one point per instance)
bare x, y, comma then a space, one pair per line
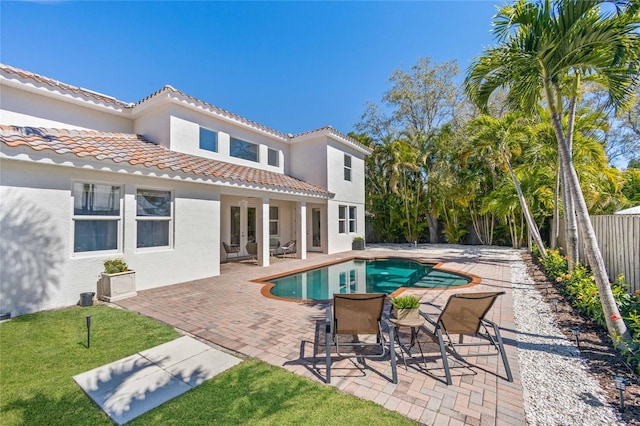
558, 390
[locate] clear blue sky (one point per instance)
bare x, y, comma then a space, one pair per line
293, 66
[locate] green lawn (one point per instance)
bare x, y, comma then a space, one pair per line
40, 353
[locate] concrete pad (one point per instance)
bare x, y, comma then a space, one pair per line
109, 376
129, 387
175, 351
204, 366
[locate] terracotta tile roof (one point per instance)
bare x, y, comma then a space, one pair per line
12, 71
139, 152
338, 133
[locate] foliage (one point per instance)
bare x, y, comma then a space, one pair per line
115, 266
580, 287
37, 389
408, 301
358, 238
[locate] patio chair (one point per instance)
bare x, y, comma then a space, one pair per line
252, 250
289, 248
274, 245
464, 314
355, 315
231, 249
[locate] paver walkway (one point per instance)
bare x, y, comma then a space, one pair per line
128, 388
230, 311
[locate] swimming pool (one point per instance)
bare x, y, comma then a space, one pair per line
363, 276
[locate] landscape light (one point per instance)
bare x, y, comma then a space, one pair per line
620, 385
555, 304
576, 334
88, 331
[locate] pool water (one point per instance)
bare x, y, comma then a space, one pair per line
363, 276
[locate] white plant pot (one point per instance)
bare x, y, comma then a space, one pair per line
407, 314
117, 286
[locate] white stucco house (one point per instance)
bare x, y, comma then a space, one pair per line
162, 183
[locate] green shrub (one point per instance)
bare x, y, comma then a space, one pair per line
114, 266
582, 291
405, 302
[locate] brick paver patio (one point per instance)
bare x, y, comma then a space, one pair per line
230, 311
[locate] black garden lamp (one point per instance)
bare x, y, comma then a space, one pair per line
621, 385
576, 335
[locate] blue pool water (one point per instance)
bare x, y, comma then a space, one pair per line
363, 276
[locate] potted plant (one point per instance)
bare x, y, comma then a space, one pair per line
117, 281
357, 244
406, 307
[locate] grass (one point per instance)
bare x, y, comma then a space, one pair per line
40, 353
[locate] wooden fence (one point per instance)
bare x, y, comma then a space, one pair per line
619, 242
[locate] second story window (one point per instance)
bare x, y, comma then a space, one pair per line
243, 149
347, 167
274, 157
208, 140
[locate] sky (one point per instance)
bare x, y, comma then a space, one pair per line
291, 66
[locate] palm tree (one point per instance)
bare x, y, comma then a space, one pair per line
503, 137
545, 50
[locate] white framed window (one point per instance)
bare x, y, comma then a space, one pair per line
154, 217
208, 140
342, 219
273, 157
243, 149
274, 221
97, 217
352, 219
347, 167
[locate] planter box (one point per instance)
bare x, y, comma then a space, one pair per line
357, 245
402, 314
117, 286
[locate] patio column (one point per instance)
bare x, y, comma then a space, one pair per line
301, 231
262, 232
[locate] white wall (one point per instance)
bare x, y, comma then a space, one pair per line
22, 108
308, 161
154, 127
182, 134
38, 269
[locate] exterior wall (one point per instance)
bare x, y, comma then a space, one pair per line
154, 127
22, 108
38, 267
178, 128
347, 193
308, 161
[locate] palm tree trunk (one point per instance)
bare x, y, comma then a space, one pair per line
533, 228
570, 225
571, 230
432, 221
615, 324
555, 222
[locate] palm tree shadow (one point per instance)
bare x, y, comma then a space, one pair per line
32, 255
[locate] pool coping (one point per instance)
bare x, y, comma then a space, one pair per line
267, 285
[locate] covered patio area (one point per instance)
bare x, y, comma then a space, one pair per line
230, 311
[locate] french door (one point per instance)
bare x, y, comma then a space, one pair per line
243, 226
